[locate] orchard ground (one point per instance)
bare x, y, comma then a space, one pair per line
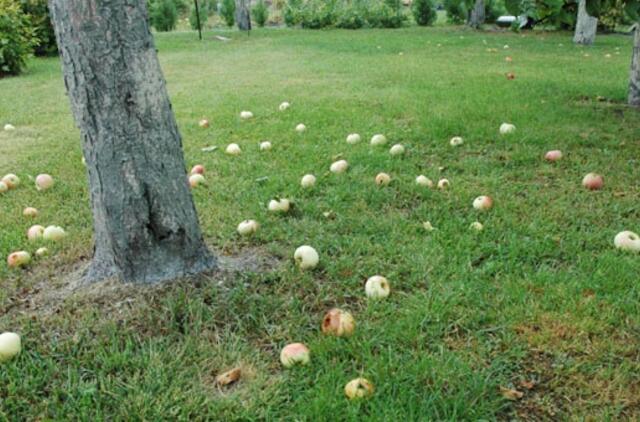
540, 302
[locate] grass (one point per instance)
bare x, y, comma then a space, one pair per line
540, 301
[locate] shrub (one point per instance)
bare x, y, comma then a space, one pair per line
17, 38
292, 12
228, 12
351, 18
456, 11
41, 24
424, 12
260, 13
316, 14
383, 16
164, 15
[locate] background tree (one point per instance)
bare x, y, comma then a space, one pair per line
586, 26
145, 223
243, 16
476, 14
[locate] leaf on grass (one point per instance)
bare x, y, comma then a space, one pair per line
511, 394
528, 385
228, 377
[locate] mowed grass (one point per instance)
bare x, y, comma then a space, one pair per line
540, 301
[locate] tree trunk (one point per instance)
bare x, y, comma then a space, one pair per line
586, 26
243, 17
145, 223
476, 15
634, 77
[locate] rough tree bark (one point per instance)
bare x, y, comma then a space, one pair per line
586, 26
243, 17
476, 15
634, 77
145, 223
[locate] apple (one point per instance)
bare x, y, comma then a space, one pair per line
506, 47
424, 181
301, 128
11, 180
35, 232
197, 169
483, 203
3, 187
339, 166
443, 184
508, 59
196, 180
358, 388
246, 115
308, 181
279, 205
427, 226
265, 146
283, 106
627, 241
353, 138
18, 259
30, 212
338, 323
378, 139
553, 155
42, 252
53, 233
377, 287
397, 149
9, 346
248, 227
383, 179
306, 257
507, 128
44, 181
204, 123
294, 354
476, 225
593, 181
456, 141
9, 126
233, 149
510, 76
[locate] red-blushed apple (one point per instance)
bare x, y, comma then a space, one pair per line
483, 203
197, 169
358, 388
11, 180
443, 184
383, 179
18, 259
53, 233
294, 354
424, 181
284, 106
233, 149
246, 115
306, 257
553, 155
308, 181
397, 149
10, 346
44, 182
248, 227
35, 232
593, 181
196, 180
377, 287
353, 138
456, 141
338, 323
301, 128
30, 212
627, 241
204, 123
339, 166
378, 139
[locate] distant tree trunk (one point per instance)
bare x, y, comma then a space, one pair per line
634, 77
243, 16
586, 26
145, 223
476, 15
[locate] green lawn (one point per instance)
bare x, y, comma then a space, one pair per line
540, 301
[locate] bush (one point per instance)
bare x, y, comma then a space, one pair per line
292, 12
348, 14
228, 12
424, 12
164, 15
383, 16
260, 13
41, 23
456, 11
351, 18
17, 38
316, 14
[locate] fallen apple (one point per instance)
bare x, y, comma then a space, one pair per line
397, 149
627, 241
248, 227
197, 169
507, 128
428, 226
233, 149
553, 155
35, 232
283, 106
18, 259
339, 166
246, 115
308, 181
456, 141
383, 179
30, 212
53, 233
338, 323
44, 182
301, 128
510, 76
358, 388
294, 354
42, 252
204, 123
9, 346
443, 184
11, 180
377, 287
508, 59
424, 181
196, 180
279, 205
378, 139
483, 203
265, 146
593, 181
353, 138
476, 225
306, 257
